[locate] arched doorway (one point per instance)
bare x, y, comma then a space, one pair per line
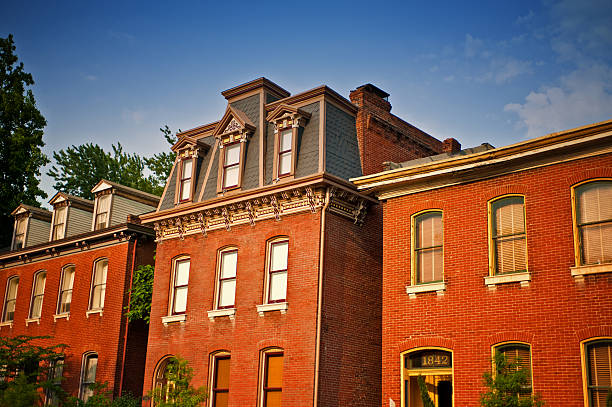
435, 366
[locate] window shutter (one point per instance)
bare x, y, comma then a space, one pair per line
600, 372
509, 235
595, 202
594, 217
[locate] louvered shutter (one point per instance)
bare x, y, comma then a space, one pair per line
509, 235
594, 217
600, 372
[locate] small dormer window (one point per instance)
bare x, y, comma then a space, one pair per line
20, 231
231, 166
102, 212
186, 176
285, 153
59, 223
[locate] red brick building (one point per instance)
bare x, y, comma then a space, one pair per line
268, 268
506, 249
67, 277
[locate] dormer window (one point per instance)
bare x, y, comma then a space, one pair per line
186, 176
102, 212
285, 153
59, 223
231, 166
20, 231
288, 122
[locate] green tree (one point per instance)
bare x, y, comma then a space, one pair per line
141, 294
506, 388
25, 367
21, 139
78, 168
102, 397
427, 401
179, 391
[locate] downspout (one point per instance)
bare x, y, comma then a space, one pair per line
320, 299
127, 321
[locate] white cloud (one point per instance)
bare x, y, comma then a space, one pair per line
472, 46
504, 69
584, 96
527, 17
449, 78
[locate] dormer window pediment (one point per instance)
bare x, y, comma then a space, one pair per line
234, 127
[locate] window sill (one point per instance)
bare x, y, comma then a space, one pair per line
523, 278
579, 272
413, 290
223, 312
170, 319
61, 316
94, 311
7, 323
32, 320
275, 306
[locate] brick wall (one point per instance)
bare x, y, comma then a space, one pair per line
248, 333
350, 367
99, 333
553, 314
385, 137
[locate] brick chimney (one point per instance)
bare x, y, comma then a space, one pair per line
450, 145
369, 96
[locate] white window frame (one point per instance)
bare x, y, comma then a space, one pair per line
436, 285
222, 354
6, 299
34, 295
61, 291
83, 386
26, 220
97, 212
53, 225
263, 368
182, 179
94, 285
173, 286
269, 272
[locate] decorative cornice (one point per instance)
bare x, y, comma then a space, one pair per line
312, 94
267, 84
274, 205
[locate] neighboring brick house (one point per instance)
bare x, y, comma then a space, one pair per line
68, 277
505, 249
268, 268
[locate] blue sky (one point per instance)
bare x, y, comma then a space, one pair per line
495, 72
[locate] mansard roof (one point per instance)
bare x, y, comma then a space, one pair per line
188, 141
283, 109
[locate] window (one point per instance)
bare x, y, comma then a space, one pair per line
272, 383
277, 270
231, 166
593, 227
427, 259
598, 371
98, 284
38, 292
285, 153
20, 232
88, 375
520, 354
179, 287
186, 175
221, 376
162, 385
10, 299
56, 372
508, 239
435, 367
102, 212
59, 223
65, 296
226, 287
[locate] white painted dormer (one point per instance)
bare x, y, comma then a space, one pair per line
31, 226
115, 202
71, 216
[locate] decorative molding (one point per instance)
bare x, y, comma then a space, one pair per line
275, 306
439, 288
523, 278
65, 316
225, 312
29, 321
274, 205
94, 311
174, 318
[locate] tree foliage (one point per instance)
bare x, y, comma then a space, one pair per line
25, 368
21, 139
78, 168
506, 388
102, 397
179, 391
427, 401
141, 294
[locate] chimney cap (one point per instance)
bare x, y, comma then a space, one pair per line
368, 87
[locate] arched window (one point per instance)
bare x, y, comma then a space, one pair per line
65, 294
427, 252
518, 354
89, 369
98, 284
38, 292
227, 263
220, 379
508, 239
272, 362
434, 366
593, 222
277, 268
598, 355
162, 385
10, 299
